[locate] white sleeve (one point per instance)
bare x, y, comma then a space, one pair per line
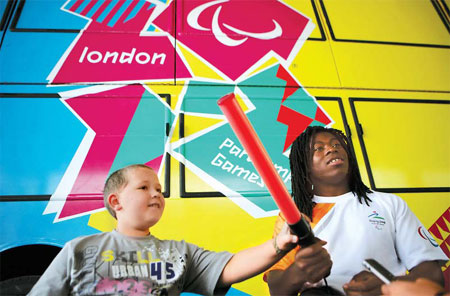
413, 242
55, 280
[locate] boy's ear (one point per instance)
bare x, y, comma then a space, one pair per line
113, 200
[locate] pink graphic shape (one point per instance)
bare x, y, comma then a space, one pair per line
296, 123
135, 24
77, 4
100, 11
87, 8
119, 53
109, 115
131, 287
155, 163
256, 17
102, 57
113, 11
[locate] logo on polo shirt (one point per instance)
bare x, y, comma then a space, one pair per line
426, 236
376, 220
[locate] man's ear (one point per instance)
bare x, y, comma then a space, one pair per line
113, 200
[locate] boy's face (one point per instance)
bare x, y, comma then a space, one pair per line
329, 162
141, 202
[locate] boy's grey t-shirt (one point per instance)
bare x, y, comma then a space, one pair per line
113, 264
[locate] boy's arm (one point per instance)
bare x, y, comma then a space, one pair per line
252, 261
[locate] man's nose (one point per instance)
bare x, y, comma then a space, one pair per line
330, 149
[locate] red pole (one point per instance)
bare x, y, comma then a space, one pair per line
259, 156
263, 164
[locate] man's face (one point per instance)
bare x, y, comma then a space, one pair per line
329, 161
141, 200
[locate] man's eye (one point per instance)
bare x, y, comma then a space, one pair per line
318, 149
336, 145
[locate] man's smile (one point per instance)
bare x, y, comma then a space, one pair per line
335, 160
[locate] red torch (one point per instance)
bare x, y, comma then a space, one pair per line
263, 164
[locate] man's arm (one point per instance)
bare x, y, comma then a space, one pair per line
311, 264
428, 269
421, 287
366, 283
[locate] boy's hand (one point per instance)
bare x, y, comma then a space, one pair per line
285, 240
363, 283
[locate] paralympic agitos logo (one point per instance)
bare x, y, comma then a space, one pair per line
234, 36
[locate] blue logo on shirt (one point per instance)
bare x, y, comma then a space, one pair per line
376, 220
426, 236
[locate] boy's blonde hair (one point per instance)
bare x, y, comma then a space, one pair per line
116, 181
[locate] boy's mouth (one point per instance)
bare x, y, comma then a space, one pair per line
154, 205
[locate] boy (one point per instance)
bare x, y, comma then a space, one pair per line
356, 222
130, 261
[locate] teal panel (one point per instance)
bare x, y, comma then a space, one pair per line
302, 102
265, 78
202, 97
146, 136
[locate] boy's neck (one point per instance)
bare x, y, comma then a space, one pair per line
132, 232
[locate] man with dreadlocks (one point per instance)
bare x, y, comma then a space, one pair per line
355, 222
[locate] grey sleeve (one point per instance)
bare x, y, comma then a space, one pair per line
55, 280
204, 270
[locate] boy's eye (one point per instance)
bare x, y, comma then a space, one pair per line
143, 187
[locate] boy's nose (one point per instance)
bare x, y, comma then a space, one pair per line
155, 194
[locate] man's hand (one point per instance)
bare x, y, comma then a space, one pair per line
364, 283
313, 263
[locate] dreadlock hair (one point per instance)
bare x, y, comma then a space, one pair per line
300, 161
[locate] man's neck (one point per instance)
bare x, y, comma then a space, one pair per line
330, 190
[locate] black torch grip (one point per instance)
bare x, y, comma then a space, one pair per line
303, 231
